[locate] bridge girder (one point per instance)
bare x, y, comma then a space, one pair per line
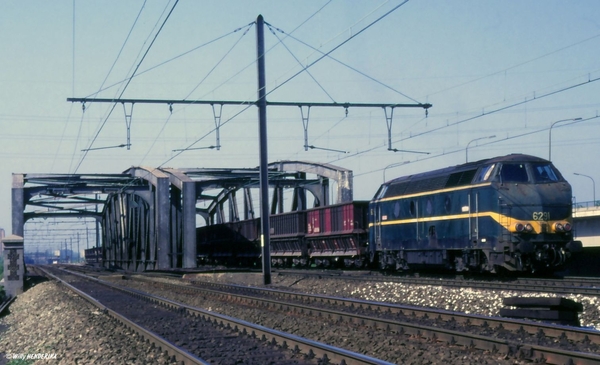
148, 215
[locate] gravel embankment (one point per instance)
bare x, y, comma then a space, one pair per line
375, 342
387, 346
48, 320
472, 301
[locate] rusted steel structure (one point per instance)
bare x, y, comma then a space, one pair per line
149, 216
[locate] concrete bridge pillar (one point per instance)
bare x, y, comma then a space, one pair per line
14, 265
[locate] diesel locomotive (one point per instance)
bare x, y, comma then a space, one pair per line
505, 213
509, 213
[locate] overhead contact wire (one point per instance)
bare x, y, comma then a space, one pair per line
109, 71
128, 82
300, 63
485, 144
195, 88
348, 66
515, 66
500, 109
299, 72
340, 45
244, 68
469, 119
250, 104
170, 60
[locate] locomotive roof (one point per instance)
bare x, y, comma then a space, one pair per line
515, 157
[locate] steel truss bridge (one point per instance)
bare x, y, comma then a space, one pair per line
149, 215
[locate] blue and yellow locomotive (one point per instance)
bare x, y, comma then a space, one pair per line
505, 213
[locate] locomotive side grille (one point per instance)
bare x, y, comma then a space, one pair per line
432, 184
396, 189
419, 186
460, 178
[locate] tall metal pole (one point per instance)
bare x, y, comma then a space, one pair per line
593, 185
550, 134
97, 225
262, 131
78, 252
476, 139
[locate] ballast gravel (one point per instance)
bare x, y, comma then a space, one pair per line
466, 300
48, 324
47, 319
386, 346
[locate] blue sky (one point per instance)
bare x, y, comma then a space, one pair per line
508, 69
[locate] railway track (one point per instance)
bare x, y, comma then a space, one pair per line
6, 303
519, 339
196, 336
560, 286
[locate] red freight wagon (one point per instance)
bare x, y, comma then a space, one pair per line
288, 224
337, 233
341, 218
287, 239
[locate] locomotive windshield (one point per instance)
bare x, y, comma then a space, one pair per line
514, 172
544, 173
521, 172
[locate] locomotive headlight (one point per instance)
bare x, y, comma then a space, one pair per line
562, 227
523, 228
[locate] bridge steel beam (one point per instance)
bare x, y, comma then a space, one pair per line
342, 176
149, 215
184, 212
160, 231
126, 233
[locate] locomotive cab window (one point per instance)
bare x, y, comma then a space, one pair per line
514, 172
544, 173
381, 192
485, 173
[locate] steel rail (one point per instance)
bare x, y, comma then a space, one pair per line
303, 345
550, 330
532, 352
518, 350
533, 285
7, 302
178, 353
573, 333
566, 286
